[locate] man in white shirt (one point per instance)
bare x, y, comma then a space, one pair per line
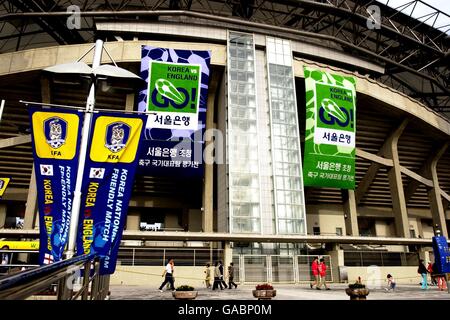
168, 273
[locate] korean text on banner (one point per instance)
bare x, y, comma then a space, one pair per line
108, 181
175, 100
55, 141
329, 157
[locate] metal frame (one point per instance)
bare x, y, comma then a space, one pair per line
414, 51
269, 267
28, 283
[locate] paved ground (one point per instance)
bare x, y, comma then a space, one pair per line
284, 292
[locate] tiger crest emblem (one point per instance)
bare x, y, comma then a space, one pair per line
55, 130
117, 135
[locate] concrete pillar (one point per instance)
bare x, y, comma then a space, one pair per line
129, 103
424, 255
337, 262
31, 205
351, 215
208, 186
419, 227
2, 215
227, 255
133, 220
396, 185
434, 194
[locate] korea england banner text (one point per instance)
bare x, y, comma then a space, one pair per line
175, 100
330, 132
107, 183
55, 148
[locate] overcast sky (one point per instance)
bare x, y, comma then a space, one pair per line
442, 23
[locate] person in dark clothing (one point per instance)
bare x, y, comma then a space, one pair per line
217, 280
221, 275
422, 270
231, 276
168, 274
433, 273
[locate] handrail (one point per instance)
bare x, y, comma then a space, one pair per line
27, 283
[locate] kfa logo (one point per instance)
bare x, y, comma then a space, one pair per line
117, 135
330, 113
55, 130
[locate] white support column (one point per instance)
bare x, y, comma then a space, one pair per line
90, 104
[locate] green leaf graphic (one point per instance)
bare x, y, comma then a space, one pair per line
168, 90
333, 109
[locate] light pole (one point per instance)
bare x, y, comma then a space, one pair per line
97, 69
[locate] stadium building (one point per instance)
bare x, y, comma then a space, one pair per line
253, 208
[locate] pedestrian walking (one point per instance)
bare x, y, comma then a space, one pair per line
4, 260
231, 276
315, 272
207, 273
422, 270
431, 270
217, 280
221, 275
168, 275
442, 282
322, 268
391, 283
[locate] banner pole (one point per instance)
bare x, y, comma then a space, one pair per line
2, 106
90, 104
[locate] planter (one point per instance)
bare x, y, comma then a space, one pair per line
357, 294
264, 294
185, 295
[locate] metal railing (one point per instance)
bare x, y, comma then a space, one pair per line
364, 258
64, 274
13, 261
277, 268
158, 256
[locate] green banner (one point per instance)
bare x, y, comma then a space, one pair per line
174, 95
329, 159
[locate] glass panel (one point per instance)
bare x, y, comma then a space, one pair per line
243, 166
286, 147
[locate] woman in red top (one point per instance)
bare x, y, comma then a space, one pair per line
323, 274
315, 272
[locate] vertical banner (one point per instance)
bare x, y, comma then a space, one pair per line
3, 185
441, 254
55, 141
108, 180
329, 157
175, 100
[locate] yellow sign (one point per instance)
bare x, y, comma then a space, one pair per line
3, 184
115, 139
55, 134
19, 245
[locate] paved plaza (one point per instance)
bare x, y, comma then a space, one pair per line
284, 292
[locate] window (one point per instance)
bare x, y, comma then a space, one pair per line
339, 231
316, 231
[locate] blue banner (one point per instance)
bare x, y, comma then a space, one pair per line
55, 141
107, 183
171, 158
175, 100
441, 254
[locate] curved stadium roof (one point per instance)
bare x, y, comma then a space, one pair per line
415, 53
